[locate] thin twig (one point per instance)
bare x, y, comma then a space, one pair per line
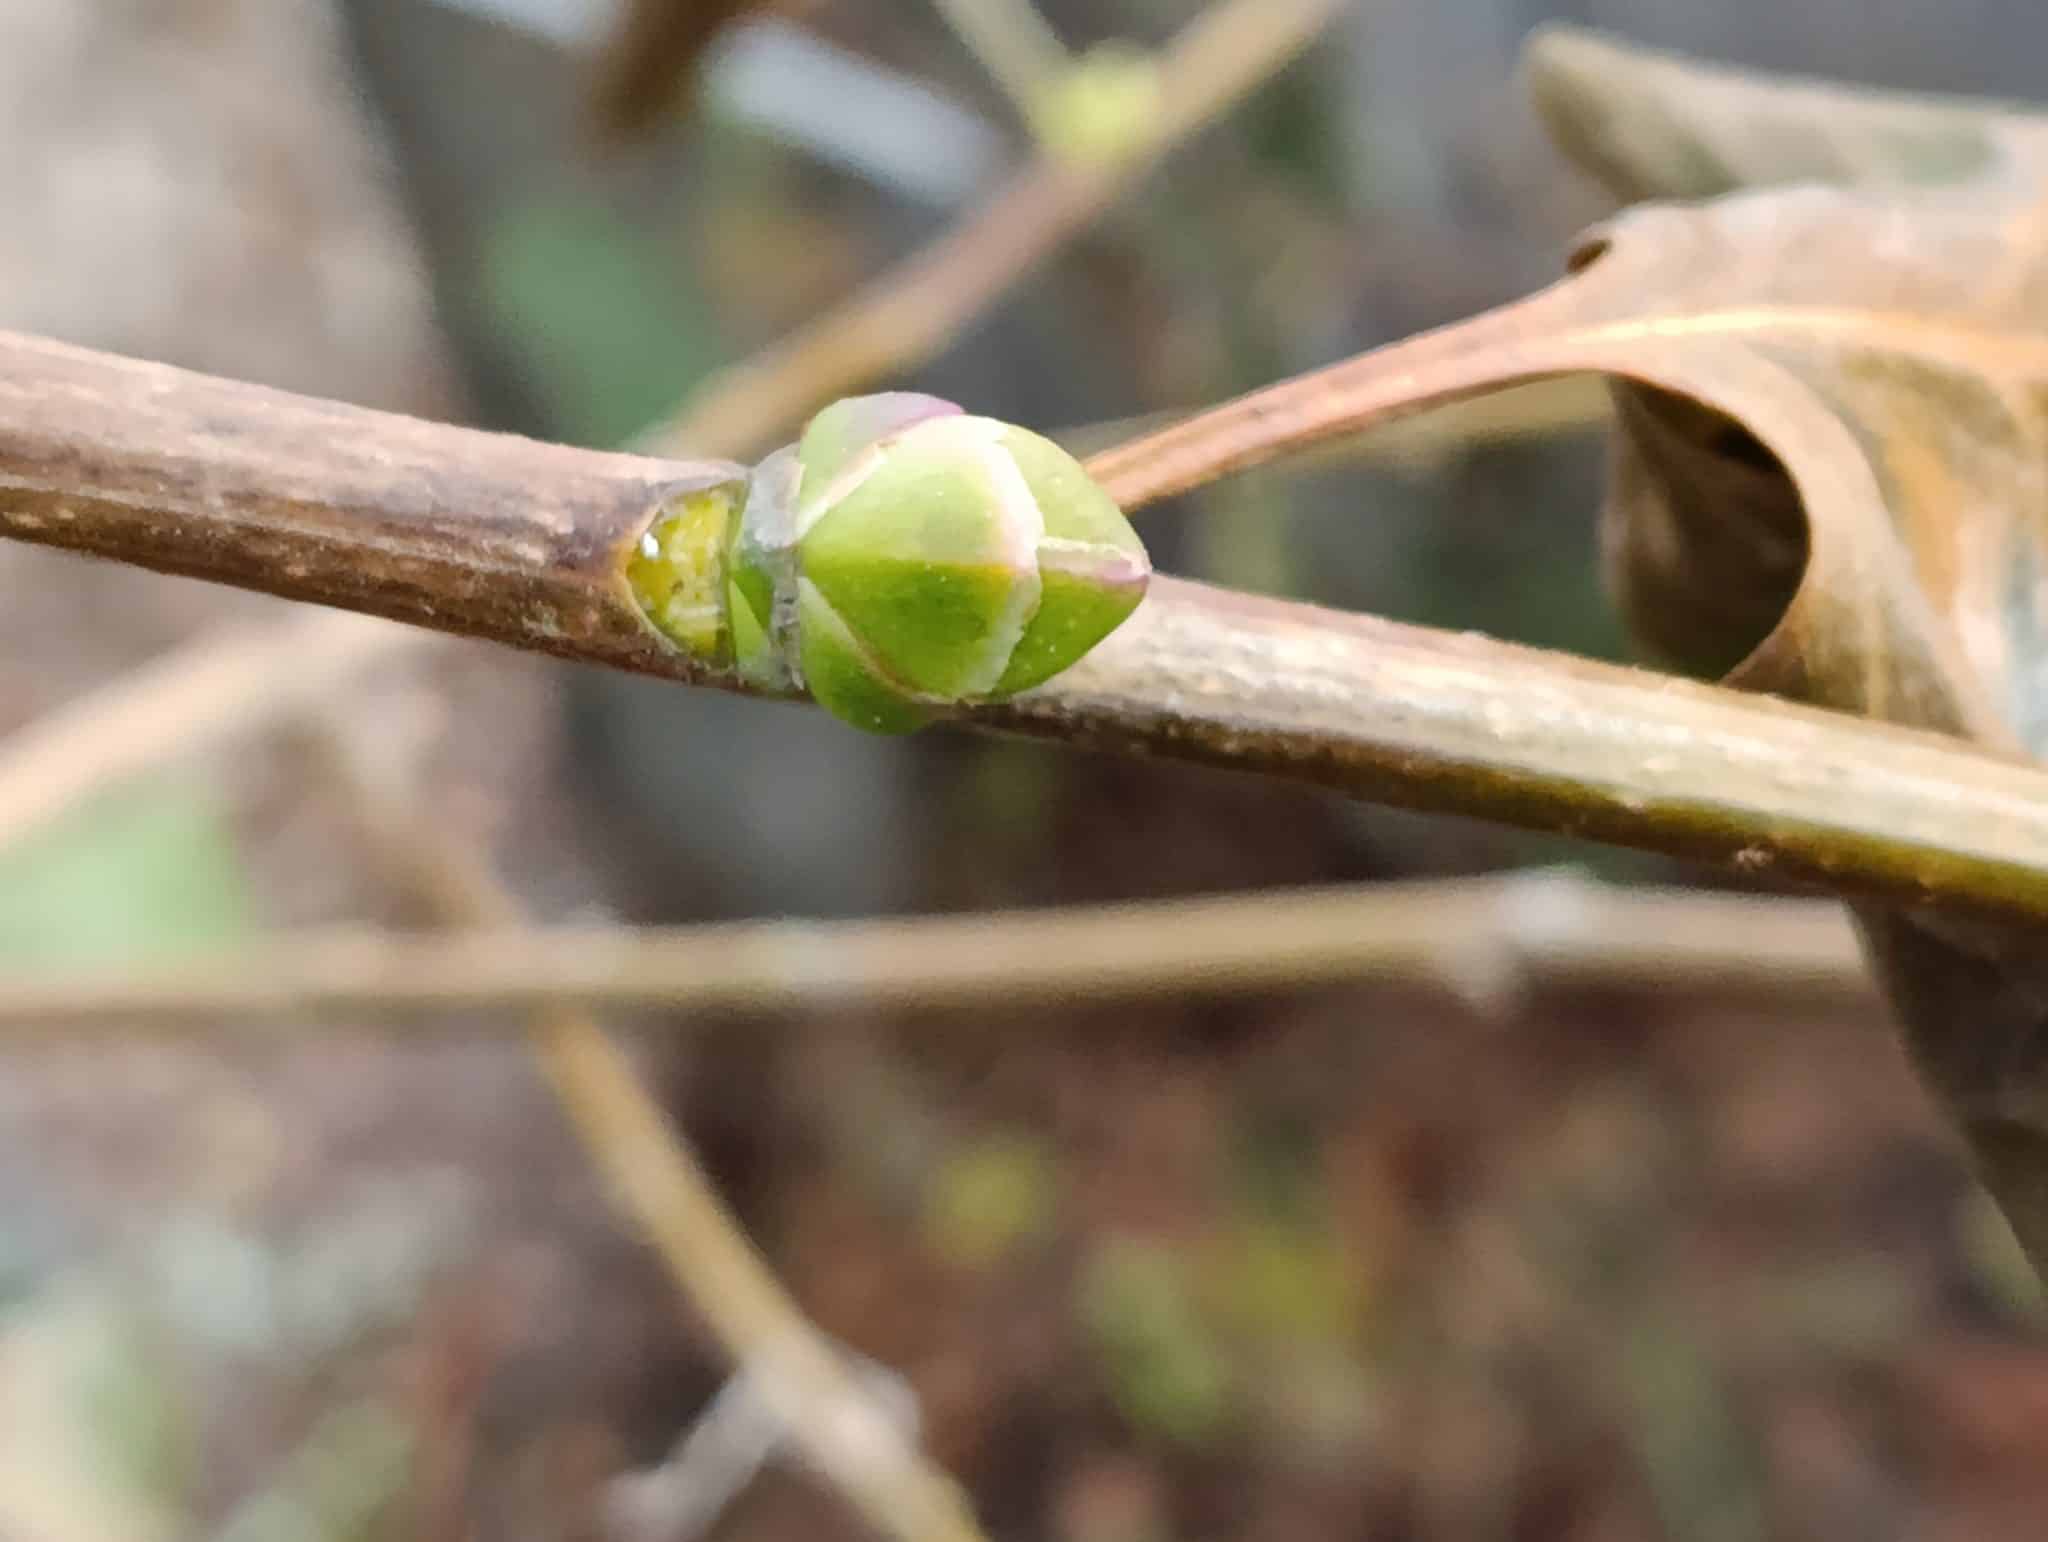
907, 314
1011, 41
1516, 414
830, 1415
1483, 938
491, 536
1371, 392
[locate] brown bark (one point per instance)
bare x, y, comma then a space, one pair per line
496, 537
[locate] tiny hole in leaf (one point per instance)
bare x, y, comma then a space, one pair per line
1586, 253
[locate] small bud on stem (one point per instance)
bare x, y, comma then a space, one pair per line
900, 559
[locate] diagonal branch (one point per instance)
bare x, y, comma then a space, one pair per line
911, 311
226, 683
491, 536
1012, 43
829, 1413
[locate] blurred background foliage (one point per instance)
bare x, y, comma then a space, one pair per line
1367, 1261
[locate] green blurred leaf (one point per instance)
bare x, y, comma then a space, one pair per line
1164, 1366
1697, 1449
96, 1439
152, 871
1100, 108
600, 319
126, 1401
1289, 1282
348, 1482
997, 1194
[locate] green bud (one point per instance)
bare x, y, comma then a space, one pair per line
677, 571
904, 557
900, 559
1102, 108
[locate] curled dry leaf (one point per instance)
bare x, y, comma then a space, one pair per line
1909, 303
1831, 466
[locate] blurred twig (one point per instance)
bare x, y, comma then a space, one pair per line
829, 1414
231, 682
712, 1463
907, 314
1486, 939
1012, 42
225, 683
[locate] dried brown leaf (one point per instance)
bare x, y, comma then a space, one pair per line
1831, 471
1923, 605
1648, 124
